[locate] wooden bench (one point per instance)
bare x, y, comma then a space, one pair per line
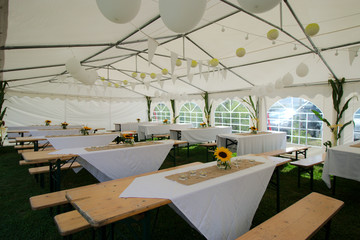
71, 222
299, 221
307, 165
176, 145
30, 146
160, 136
45, 169
210, 148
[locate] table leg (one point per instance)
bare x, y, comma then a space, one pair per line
36, 146
277, 171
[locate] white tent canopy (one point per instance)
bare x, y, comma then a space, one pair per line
39, 37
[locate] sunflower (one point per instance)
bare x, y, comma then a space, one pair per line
253, 128
223, 154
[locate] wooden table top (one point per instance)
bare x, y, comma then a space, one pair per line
17, 131
100, 204
45, 156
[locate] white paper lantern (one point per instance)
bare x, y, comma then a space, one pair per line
258, 6
181, 16
269, 88
73, 66
119, 11
279, 84
288, 79
302, 70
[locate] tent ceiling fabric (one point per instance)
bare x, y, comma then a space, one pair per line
42, 35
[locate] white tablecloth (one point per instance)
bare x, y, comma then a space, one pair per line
122, 162
199, 135
342, 161
37, 127
255, 143
220, 208
149, 129
130, 126
82, 141
54, 132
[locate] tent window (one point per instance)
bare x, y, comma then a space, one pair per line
233, 113
294, 116
191, 113
160, 113
357, 125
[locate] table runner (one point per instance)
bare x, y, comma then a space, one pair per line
220, 208
204, 174
117, 146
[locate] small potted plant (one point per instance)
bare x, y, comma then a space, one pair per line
64, 125
253, 130
85, 130
47, 122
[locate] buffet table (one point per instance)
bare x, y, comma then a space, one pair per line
198, 135
248, 143
342, 161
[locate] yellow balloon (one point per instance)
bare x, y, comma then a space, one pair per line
143, 75
134, 74
116, 85
153, 75
312, 29
125, 82
109, 84
240, 52
193, 63
178, 62
164, 71
102, 79
273, 34
214, 62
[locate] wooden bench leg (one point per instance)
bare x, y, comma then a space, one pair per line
309, 170
327, 228
333, 185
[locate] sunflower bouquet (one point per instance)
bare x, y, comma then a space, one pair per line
64, 125
128, 138
253, 130
203, 124
138, 119
223, 156
47, 122
165, 121
85, 130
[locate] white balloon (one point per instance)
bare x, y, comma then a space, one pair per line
288, 79
181, 16
73, 66
302, 70
119, 11
258, 6
279, 84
